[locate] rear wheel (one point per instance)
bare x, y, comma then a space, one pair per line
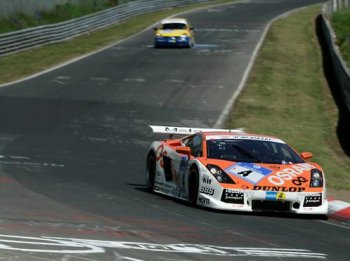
150, 171
193, 186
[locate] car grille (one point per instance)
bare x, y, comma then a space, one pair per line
268, 205
172, 37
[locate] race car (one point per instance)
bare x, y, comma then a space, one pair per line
233, 170
174, 32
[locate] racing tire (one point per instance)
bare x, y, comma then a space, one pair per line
190, 44
150, 172
193, 183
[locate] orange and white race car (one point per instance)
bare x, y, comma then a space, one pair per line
234, 170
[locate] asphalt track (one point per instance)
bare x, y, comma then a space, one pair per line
73, 143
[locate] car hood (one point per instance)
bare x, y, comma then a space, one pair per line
260, 176
169, 33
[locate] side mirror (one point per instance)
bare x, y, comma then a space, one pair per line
155, 28
306, 155
184, 150
191, 28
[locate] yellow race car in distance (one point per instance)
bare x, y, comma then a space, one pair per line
174, 32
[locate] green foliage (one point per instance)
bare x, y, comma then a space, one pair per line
340, 21
60, 13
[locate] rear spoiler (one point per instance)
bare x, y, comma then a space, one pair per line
187, 130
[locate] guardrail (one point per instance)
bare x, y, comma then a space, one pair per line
37, 36
338, 4
341, 71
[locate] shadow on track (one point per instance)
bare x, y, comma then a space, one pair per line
271, 214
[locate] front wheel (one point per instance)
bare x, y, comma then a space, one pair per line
193, 186
190, 44
150, 172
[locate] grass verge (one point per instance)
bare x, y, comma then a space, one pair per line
17, 66
287, 96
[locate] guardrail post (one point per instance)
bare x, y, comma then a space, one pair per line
334, 5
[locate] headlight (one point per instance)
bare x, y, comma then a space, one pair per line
158, 34
316, 178
219, 174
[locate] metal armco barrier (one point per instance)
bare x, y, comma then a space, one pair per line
37, 36
340, 68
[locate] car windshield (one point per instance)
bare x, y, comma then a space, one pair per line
256, 151
173, 26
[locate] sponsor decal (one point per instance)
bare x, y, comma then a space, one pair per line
245, 173
281, 195
206, 179
182, 130
299, 181
314, 200
273, 195
270, 195
276, 188
248, 171
203, 201
159, 152
176, 129
289, 173
207, 190
159, 155
231, 196
243, 137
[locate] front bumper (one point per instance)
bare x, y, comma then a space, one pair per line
270, 201
172, 41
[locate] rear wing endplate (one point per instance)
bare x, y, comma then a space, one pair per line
187, 130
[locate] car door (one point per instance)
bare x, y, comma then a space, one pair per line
174, 167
